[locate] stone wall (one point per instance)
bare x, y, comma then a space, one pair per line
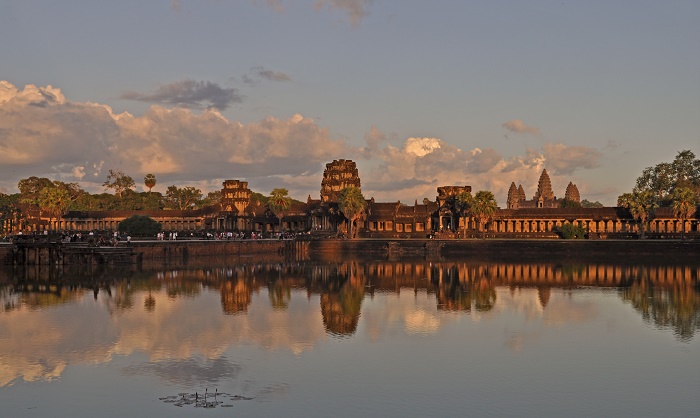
632, 251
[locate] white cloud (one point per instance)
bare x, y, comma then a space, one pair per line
60, 139
44, 134
416, 170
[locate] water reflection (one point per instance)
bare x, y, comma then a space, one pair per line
175, 314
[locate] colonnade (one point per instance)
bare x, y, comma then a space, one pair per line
592, 225
113, 224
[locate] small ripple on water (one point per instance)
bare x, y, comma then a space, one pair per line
203, 400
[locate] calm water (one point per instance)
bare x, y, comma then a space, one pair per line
352, 338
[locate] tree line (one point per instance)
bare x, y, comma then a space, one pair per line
675, 185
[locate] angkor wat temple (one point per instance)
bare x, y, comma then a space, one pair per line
540, 217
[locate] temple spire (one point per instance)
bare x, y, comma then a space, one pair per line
544, 188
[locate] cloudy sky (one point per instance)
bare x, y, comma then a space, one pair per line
419, 93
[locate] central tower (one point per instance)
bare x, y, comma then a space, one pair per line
338, 175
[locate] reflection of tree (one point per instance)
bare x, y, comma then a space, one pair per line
460, 289
676, 307
484, 295
341, 308
454, 296
279, 294
150, 302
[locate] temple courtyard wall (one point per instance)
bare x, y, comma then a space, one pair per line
181, 252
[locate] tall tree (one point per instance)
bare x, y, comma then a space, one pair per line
484, 207
352, 204
9, 212
212, 198
641, 204
463, 205
119, 182
182, 197
149, 181
684, 205
30, 188
279, 203
55, 201
661, 179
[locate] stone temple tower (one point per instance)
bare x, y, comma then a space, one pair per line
572, 193
544, 196
338, 175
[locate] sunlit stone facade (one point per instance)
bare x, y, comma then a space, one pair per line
540, 217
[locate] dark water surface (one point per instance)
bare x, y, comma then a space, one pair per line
350, 338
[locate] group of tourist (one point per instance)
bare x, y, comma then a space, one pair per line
172, 236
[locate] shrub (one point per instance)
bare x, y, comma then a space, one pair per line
140, 226
571, 231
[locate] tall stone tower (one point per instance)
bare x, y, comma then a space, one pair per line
516, 196
572, 193
544, 191
338, 175
235, 196
513, 197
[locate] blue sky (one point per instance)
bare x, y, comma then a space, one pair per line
420, 94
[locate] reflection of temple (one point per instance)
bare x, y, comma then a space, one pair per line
665, 295
235, 296
539, 217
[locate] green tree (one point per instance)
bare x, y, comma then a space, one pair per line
260, 198
212, 198
641, 205
463, 205
566, 203
484, 207
182, 197
119, 182
279, 203
55, 201
9, 212
684, 204
151, 200
352, 204
587, 204
661, 179
149, 181
140, 226
30, 188
571, 231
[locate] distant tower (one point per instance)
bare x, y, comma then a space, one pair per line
513, 197
338, 175
572, 193
544, 190
235, 196
521, 193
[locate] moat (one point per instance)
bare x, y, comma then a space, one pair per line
358, 336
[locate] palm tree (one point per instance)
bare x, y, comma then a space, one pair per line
55, 201
279, 203
641, 204
684, 205
149, 181
463, 204
352, 204
484, 206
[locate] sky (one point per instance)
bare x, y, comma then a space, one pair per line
419, 94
